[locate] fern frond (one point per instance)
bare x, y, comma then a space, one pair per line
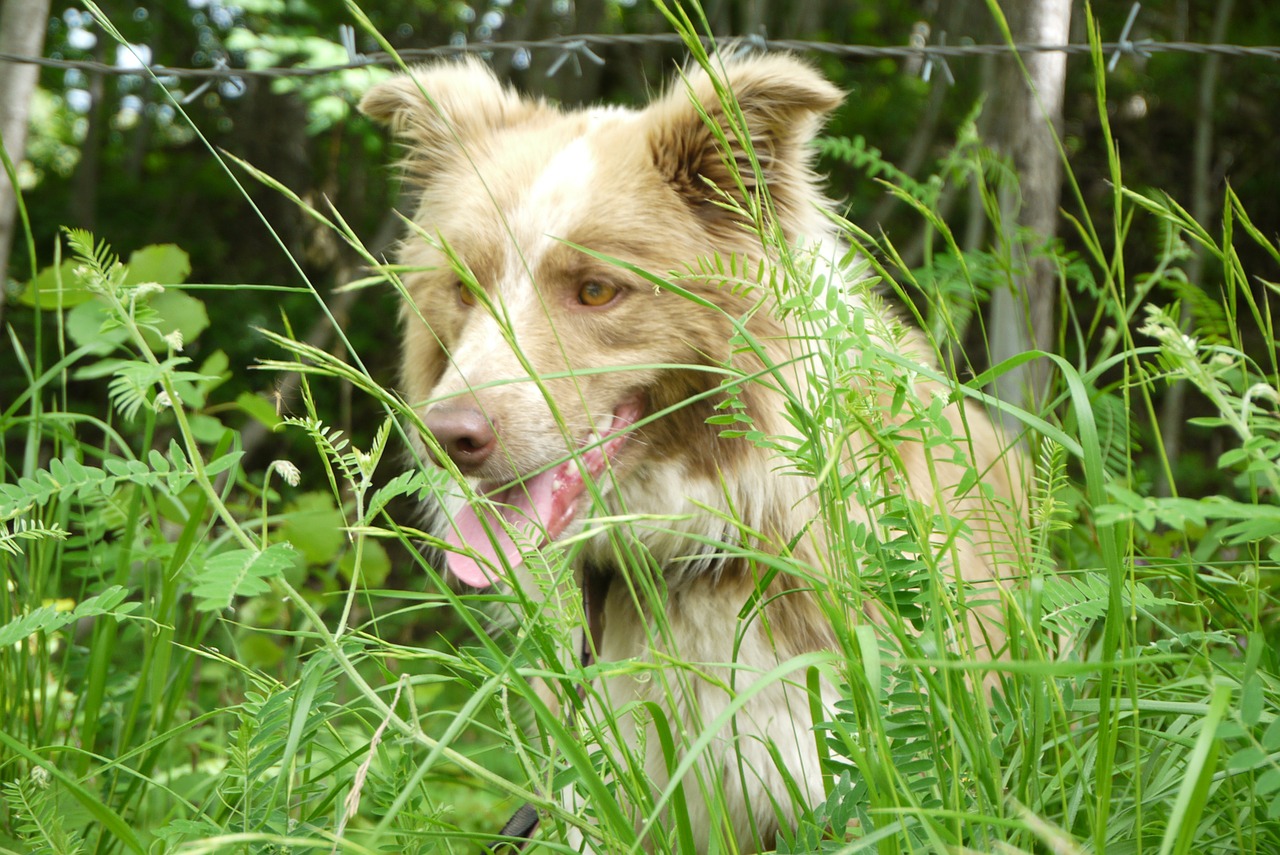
98, 256
733, 271
63, 478
69, 478
1050, 479
367, 463
48, 619
422, 484
134, 383
858, 153
35, 810
1117, 431
1209, 321
1073, 603
239, 573
331, 442
24, 529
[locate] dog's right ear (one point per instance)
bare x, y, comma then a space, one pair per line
437, 110
698, 143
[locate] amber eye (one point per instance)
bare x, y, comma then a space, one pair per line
465, 295
597, 293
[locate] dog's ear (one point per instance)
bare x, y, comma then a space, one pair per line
781, 102
437, 110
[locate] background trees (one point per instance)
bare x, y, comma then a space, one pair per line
111, 153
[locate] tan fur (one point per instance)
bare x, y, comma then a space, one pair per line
507, 184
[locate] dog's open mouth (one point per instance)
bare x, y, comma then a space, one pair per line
541, 507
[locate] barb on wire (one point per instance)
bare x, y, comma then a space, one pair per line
574, 47
347, 35
927, 71
571, 50
1124, 45
754, 42
219, 63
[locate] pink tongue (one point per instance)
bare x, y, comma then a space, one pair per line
479, 544
526, 507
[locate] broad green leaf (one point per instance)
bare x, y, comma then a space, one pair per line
45, 288
1271, 736
84, 327
1251, 701
216, 367
259, 408
375, 566
223, 462
178, 311
206, 429
1246, 758
259, 651
314, 526
163, 264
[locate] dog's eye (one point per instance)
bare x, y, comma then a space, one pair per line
465, 295
597, 293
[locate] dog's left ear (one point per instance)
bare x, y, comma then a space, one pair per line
781, 102
438, 110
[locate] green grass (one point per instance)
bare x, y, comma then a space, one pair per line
174, 677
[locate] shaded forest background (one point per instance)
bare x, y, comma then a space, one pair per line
109, 154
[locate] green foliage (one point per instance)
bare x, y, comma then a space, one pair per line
866, 158
201, 651
34, 806
1195, 704
152, 559
328, 97
49, 619
238, 573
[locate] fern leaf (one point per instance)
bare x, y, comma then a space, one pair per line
239, 573
35, 811
99, 256
1072, 603
27, 530
1209, 321
1117, 431
858, 153
48, 619
330, 441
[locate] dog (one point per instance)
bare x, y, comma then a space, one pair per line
612, 319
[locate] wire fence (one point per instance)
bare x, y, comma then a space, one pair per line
581, 46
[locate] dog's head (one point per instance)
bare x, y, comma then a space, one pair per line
537, 362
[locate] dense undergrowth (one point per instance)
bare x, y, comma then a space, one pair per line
200, 657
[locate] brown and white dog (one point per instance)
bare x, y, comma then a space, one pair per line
572, 389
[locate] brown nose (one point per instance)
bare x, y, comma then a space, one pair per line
464, 434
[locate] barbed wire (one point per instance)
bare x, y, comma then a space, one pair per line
580, 44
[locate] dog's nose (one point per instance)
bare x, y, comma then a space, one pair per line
464, 434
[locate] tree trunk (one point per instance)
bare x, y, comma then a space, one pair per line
22, 27
1022, 315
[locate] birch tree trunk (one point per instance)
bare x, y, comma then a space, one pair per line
1022, 316
22, 27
